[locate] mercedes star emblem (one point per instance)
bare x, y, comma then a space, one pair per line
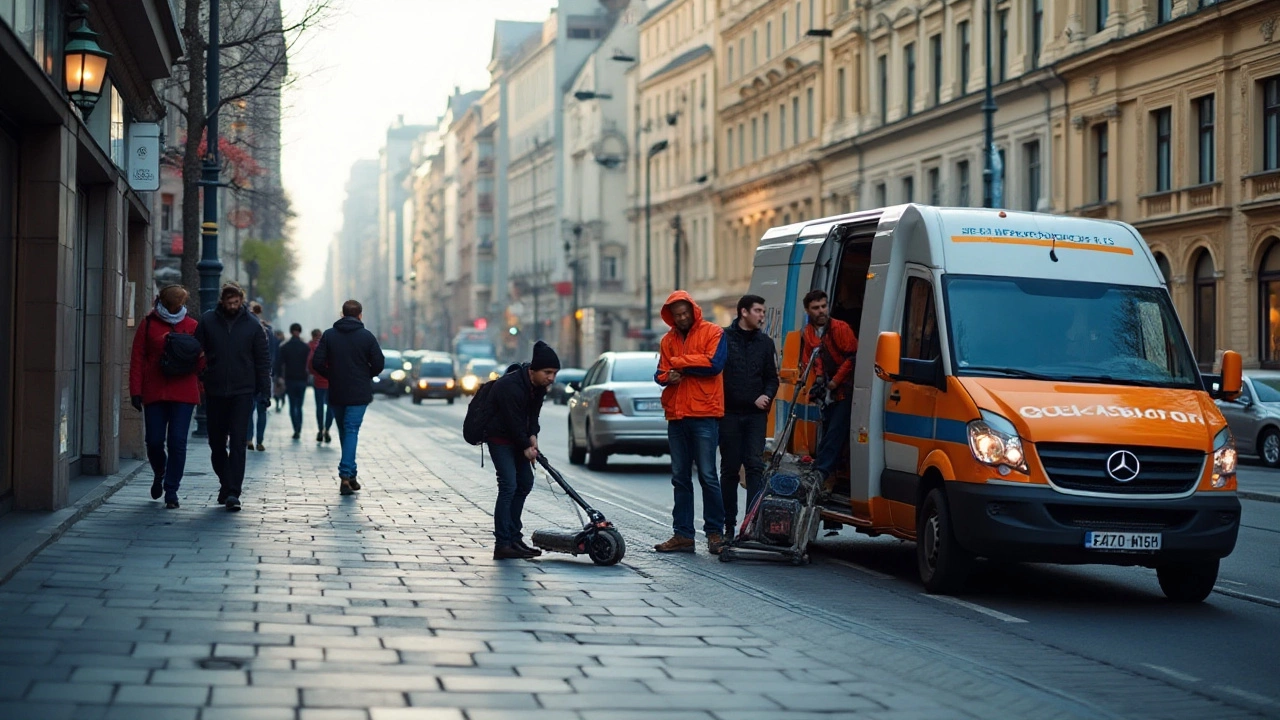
1122, 466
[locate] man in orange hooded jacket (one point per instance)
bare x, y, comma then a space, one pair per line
690, 362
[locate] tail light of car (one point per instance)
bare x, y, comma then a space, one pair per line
608, 404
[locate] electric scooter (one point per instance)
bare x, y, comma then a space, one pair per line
597, 539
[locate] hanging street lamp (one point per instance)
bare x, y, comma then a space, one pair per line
85, 62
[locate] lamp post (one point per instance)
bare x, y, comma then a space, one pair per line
533, 241
85, 62
577, 311
210, 266
822, 34
677, 230
988, 113
654, 149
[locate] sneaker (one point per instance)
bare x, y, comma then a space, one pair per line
171, 502
233, 503
222, 496
250, 447
327, 439
355, 484
319, 437
344, 487
509, 552
676, 544
261, 448
157, 487
715, 543
530, 551
297, 435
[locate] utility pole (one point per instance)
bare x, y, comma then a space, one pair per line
677, 230
210, 266
577, 322
988, 112
533, 211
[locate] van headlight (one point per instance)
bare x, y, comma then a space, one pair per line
994, 441
469, 382
1224, 459
397, 375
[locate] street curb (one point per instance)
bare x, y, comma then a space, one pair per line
62, 520
1260, 496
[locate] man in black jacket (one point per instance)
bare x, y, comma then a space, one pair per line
750, 384
512, 435
239, 367
349, 357
293, 366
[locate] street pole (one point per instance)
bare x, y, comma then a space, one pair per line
577, 323
210, 266
533, 172
676, 228
648, 250
988, 112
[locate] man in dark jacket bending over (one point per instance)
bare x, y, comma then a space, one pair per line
349, 357
513, 444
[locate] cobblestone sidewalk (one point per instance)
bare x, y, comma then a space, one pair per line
387, 605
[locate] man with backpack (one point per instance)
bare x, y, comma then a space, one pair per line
238, 369
504, 413
348, 356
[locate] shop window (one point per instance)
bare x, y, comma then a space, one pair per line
1206, 310
1269, 284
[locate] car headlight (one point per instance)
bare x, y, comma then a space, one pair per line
1224, 459
408, 366
397, 375
470, 382
494, 375
422, 384
448, 384
994, 441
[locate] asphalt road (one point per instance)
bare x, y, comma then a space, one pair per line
1100, 638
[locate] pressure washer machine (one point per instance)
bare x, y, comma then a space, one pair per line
597, 539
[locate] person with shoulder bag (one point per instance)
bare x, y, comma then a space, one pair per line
164, 386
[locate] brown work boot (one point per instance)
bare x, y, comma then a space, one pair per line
510, 552
675, 544
715, 543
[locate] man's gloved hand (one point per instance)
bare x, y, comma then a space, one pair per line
136, 401
818, 393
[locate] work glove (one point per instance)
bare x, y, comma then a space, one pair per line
136, 401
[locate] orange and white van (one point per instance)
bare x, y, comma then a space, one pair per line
1023, 390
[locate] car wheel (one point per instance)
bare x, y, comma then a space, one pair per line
577, 455
1269, 447
417, 400
450, 399
942, 563
1188, 582
597, 459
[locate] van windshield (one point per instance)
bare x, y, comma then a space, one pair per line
1067, 330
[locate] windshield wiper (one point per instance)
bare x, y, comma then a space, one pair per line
1110, 380
1006, 371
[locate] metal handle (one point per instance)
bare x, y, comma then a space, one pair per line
895, 396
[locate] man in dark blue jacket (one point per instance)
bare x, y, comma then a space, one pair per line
349, 357
293, 368
750, 384
238, 368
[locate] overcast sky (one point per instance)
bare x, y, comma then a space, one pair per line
374, 60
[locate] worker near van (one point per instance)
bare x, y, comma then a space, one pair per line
691, 361
832, 387
750, 384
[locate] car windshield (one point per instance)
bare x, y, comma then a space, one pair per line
634, 369
435, 369
1067, 330
480, 349
482, 368
1267, 389
571, 375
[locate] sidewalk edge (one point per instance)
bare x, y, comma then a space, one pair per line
14, 560
1260, 496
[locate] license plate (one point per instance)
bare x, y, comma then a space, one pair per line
1122, 541
648, 405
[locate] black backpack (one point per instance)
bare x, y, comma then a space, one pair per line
181, 354
480, 411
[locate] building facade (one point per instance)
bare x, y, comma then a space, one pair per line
386, 315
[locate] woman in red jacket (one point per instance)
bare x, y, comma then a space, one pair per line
324, 413
167, 401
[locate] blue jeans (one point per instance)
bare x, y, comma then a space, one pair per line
349, 418
296, 390
693, 441
262, 406
515, 481
324, 413
167, 426
835, 433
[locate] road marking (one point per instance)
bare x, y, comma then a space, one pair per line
1232, 582
1246, 596
1173, 673
1250, 696
1003, 617
866, 570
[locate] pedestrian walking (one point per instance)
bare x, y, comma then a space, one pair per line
320, 387
238, 370
294, 354
277, 380
832, 385
691, 360
512, 436
166, 388
348, 356
750, 385
262, 404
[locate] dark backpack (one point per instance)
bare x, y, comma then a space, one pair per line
480, 411
181, 354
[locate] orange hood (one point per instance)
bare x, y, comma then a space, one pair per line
675, 297
1050, 411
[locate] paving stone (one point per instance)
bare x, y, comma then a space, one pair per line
248, 713
511, 701
415, 714
162, 695
312, 697
150, 712
255, 696
73, 692
332, 714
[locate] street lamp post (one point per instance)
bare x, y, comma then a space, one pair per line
654, 149
210, 266
533, 242
988, 119
577, 319
677, 230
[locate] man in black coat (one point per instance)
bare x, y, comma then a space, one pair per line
239, 367
293, 366
512, 435
349, 357
750, 384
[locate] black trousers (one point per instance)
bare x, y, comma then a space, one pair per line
228, 417
741, 444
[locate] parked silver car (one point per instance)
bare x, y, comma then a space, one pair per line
617, 408
1254, 417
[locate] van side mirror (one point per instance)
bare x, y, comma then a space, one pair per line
888, 355
1232, 374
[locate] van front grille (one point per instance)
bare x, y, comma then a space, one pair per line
1080, 466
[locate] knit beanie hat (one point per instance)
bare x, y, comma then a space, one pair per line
544, 358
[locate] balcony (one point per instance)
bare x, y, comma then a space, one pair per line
1175, 205
484, 166
484, 203
1262, 190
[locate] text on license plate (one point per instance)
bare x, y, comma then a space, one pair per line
1122, 541
648, 405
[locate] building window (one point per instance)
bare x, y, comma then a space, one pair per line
964, 57
840, 94
1100, 150
729, 70
1037, 31
166, 211
755, 140
795, 121
608, 268
1101, 9
1204, 109
1269, 284
909, 58
1164, 11
742, 145
962, 183
1003, 23
882, 74
1271, 124
729, 149
935, 191
809, 111
1031, 155
1004, 171
782, 126
783, 43
908, 189
1163, 124
755, 47
765, 132
881, 195
811, 15
768, 40
742, 57
1206, 311
797, 21
935, 54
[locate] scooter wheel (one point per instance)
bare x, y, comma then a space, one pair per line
606, 547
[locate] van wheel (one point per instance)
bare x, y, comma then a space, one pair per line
1269, 447
1188, 582
577, 455
942, 563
